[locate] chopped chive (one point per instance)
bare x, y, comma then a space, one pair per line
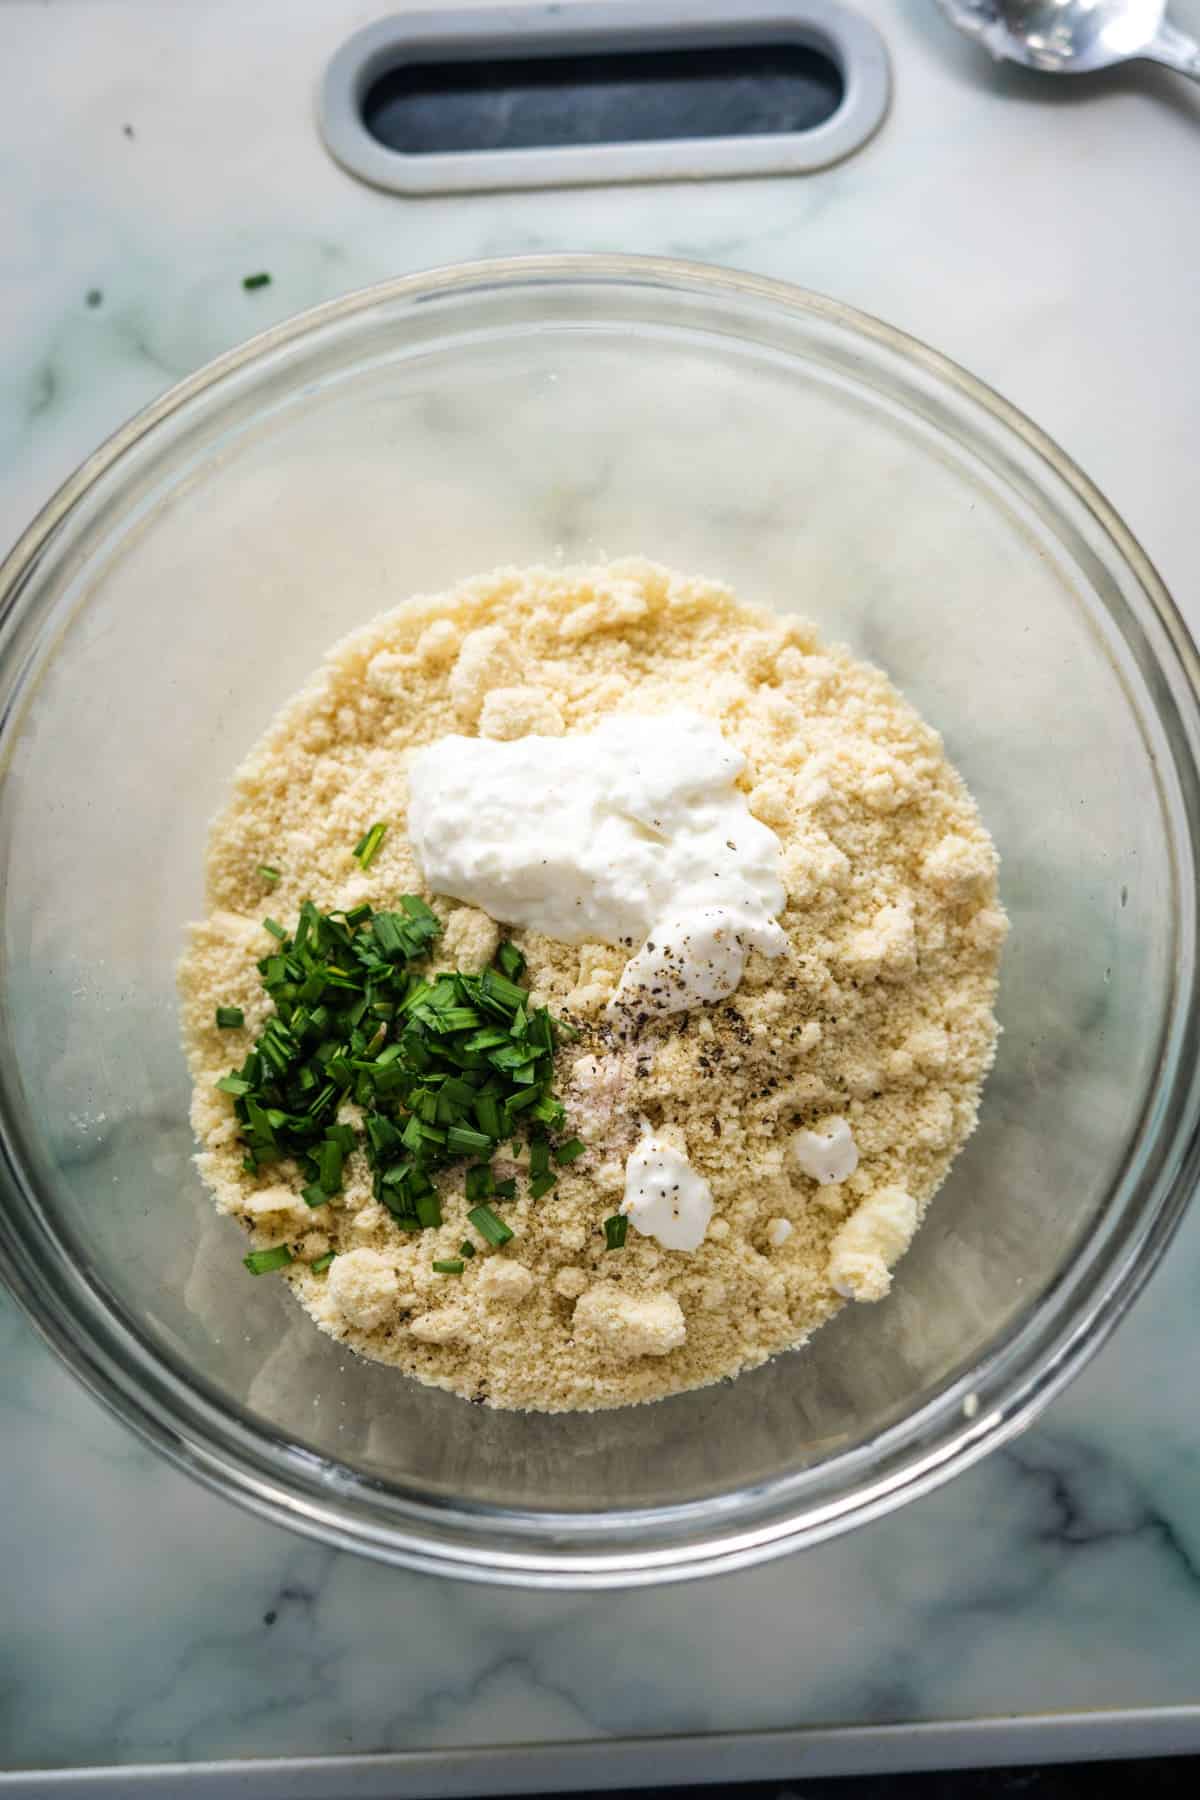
615, 1231
276, 929
322, 1262
519, 1102
429, 1211
330, 1163
261, 1262
488, 1113
462, 1141
480, 1182
359, 913
504, 993
504, 1190
541, 1184
420, 910
511, 961
314, 1195
570, 1151
269, 875
539, 1157
489, 1226
466, 1248
251, 282
449, 1265
367, 845
230, 1017
233, 1084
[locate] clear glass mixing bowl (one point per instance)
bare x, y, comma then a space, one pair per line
189, 578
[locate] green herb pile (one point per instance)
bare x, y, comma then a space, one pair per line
444, 1070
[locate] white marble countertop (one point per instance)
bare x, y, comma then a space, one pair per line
1045, 235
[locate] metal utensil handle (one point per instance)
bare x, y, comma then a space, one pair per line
1176, 50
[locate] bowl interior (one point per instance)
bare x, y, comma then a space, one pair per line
410, 443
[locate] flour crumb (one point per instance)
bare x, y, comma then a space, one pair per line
626, 1325
864, 1250
362, 1286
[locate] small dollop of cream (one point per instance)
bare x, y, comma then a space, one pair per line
693, 957
827, 1156
664, 1196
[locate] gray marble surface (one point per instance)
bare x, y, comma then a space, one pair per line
1045, 236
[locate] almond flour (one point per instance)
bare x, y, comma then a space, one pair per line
875, 1026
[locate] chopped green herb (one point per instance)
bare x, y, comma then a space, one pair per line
570, 1151
503, 994
367, 845
449, 1265
330, 1160
429, 1211
616, 1230
230, 1017
541, 1184
443, 1067
489, 1226
480, 1181
269, 875
461, 1140
539, 1157
251, 282
261, 1262
466, 1248
511, 961
322, 1262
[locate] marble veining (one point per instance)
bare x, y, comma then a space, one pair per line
144, 1618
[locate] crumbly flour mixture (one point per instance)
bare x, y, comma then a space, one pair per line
874, 1027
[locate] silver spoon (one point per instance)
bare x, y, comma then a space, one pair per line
1074, 37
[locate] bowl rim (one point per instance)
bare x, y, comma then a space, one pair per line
199, 1434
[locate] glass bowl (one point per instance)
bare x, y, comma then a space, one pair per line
187, 580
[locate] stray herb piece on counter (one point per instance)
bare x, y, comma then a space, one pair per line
230, 1017
368, 844
261, 1262
442, 1068
269, 875
261, 280
450, 1265
616, 1230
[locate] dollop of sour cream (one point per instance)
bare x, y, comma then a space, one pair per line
633, 834
828, 1156
664, 1196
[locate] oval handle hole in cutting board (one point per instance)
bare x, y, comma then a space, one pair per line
647, 96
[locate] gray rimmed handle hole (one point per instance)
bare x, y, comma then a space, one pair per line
547, 96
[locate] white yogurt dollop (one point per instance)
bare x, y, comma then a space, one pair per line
664, 1196
631, 834
827, 1156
